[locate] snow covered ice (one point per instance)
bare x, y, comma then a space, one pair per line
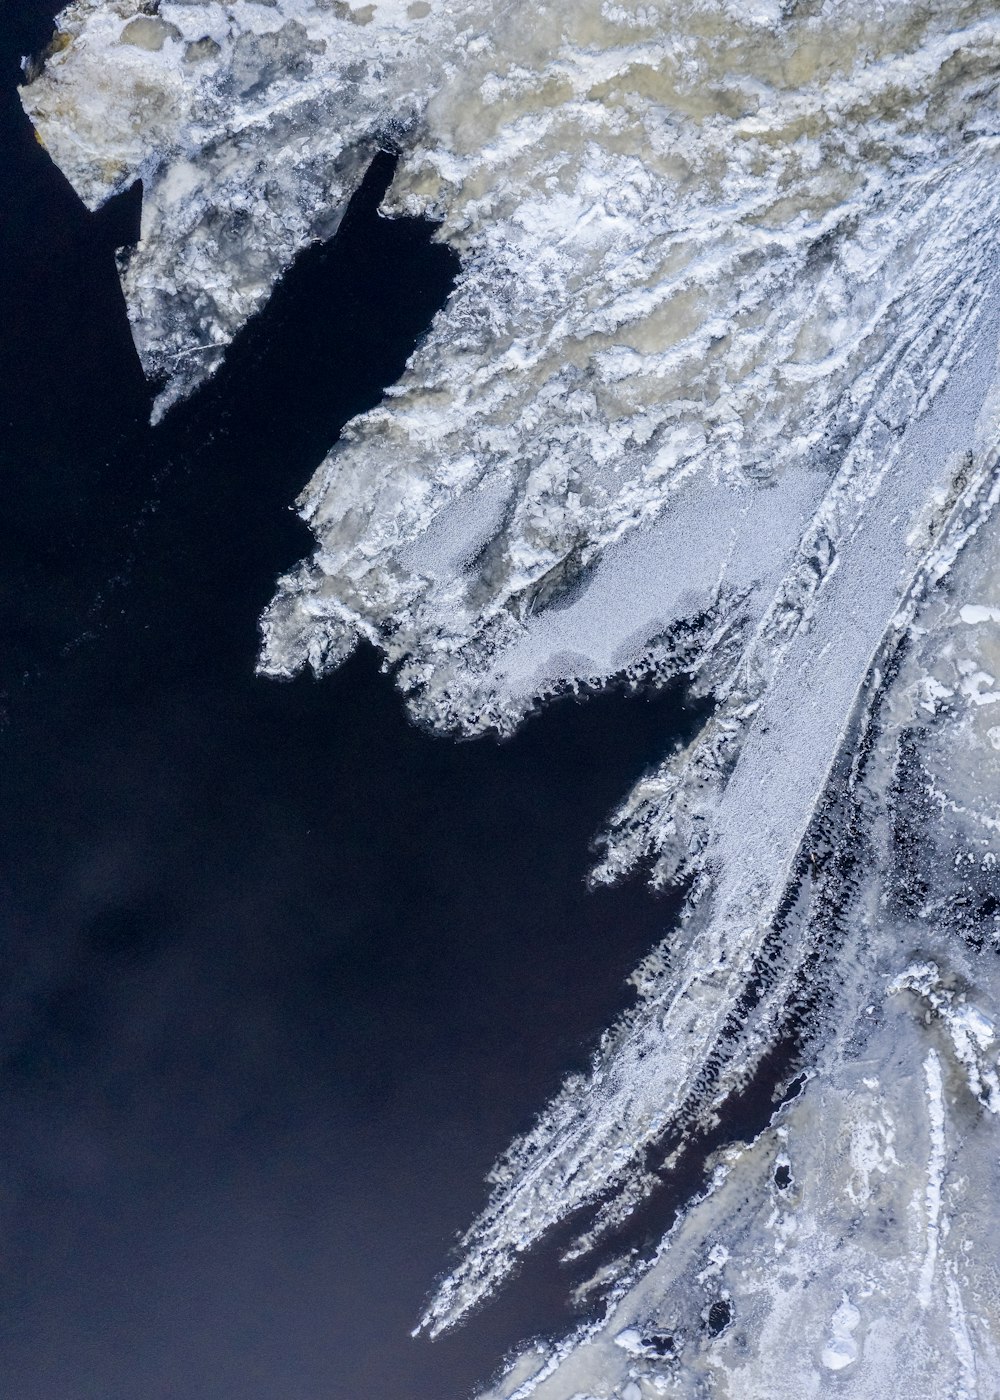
715, 395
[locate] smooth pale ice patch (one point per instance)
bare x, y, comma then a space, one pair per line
720, 544
458, 532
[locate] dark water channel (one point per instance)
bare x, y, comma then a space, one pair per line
281, 974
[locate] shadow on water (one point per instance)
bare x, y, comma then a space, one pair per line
282, 974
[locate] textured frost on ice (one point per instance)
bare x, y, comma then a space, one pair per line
699, 243
250, 126
669, 301
744, 800
715, 393
890, 1154
893, 1299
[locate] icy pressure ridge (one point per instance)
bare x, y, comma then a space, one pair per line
715, 395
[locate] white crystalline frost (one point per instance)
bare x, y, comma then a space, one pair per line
715, 393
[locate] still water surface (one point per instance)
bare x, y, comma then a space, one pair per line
281, 973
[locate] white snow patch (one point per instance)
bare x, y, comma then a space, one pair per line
841, 1350
973, 613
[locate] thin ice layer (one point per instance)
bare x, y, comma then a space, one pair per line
707, 397
841, 1253
695, 239
737, 808
692, 262
250, 125
849, 1248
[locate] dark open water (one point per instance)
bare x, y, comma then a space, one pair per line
281, 974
